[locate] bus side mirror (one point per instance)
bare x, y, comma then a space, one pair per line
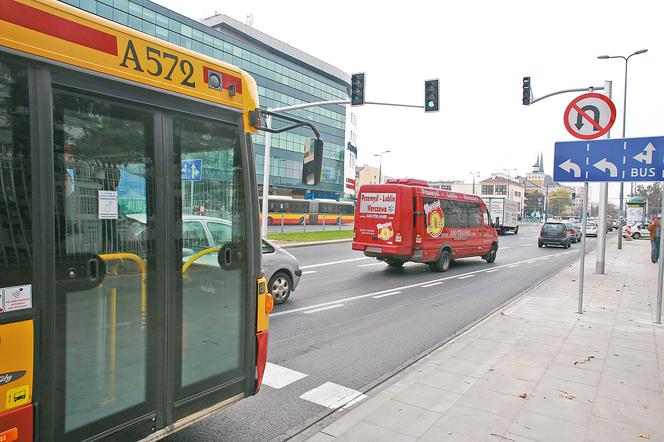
312, 166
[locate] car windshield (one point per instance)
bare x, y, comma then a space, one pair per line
550, 228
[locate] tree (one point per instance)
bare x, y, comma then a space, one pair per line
559, 202
653, 196
612, 210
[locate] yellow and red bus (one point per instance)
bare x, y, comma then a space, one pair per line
287, 210
108, 329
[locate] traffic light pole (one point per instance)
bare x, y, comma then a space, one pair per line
603, 203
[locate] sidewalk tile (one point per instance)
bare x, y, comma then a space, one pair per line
574, 374
549, 386
583, 361
321, 437
522, 369
505, 405
546, 429
479, 355
474, 423
356, 414
506, 384
636, 396
646, 419
428, 397
437, 434
368, 432
617, 376
465, 367
602, 430
456, 383
553, 404
636, 344
403, 418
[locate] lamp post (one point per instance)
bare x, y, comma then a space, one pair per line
475, 175
622, 185
380, 165
509, 178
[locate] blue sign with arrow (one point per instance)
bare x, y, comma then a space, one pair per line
192, 170
620, 159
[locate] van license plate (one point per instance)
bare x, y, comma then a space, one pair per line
374, 249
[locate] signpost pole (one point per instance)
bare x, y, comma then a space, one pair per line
660, 275
266, 177
583, 245
603, 202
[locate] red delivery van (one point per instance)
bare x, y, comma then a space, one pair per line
406, 220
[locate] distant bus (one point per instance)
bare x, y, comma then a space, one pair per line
293, 211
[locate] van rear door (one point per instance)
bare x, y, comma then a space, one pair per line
384, 219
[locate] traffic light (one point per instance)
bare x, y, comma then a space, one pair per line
431, 96
573, 195
357, 89
526, 91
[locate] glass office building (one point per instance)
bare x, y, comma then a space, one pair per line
284, 74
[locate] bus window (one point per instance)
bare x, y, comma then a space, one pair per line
15, 178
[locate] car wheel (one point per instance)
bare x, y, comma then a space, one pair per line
443, 263
636, 235
491, 256
280, 287
539, 244
516, 231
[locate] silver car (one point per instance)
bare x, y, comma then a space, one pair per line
280, 268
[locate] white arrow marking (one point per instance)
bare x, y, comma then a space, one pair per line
568, 166
603, 165
646, 155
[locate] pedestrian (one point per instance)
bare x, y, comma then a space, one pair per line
655, 232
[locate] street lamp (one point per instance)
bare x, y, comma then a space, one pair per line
380, 165
475, 175
622, 185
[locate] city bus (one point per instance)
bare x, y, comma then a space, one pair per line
293, 211
108, 138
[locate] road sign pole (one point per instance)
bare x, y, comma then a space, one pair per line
660, 275
582, 270
603, 202
266, 176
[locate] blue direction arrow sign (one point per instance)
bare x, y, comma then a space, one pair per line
620, 159
192, 170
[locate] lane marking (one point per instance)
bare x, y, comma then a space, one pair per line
465, 277
333, 396
431, 285
513, 265
380, 292
278, 377
492, 270
386, 294
309, 272
526, 245
323, 264
503, 248
316, 310
379, 263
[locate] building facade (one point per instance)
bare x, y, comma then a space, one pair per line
503, 186
366, 175
284, 75
456, 186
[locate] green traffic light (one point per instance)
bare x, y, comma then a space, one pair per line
430, 103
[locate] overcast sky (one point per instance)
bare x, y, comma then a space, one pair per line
480, 50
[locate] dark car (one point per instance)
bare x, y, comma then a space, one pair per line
574, 233
554, 234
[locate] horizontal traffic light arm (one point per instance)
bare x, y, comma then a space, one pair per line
566, 91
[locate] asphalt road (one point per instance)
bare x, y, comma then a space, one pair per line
353, 319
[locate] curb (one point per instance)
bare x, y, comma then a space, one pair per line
312, 243
327, 417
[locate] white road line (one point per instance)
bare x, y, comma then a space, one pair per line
309, 272
513, 265
316, 310
379, 263
386, 294
492, 270
277, 376
431, 285
525, 245
465, 277
380, 292
333, 396
323, 264
503, 248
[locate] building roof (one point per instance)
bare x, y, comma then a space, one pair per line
270, 44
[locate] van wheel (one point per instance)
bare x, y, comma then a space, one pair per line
443, 263
516, 231
491, 256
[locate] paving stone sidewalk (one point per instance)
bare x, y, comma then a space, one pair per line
536, 370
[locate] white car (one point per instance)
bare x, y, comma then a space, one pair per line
591, 229
639, 230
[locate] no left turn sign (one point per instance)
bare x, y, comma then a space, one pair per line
590, 116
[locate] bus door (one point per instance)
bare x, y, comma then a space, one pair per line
150, 309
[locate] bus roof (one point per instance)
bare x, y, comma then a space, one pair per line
49, 29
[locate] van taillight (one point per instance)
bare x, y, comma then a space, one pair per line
418, 239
